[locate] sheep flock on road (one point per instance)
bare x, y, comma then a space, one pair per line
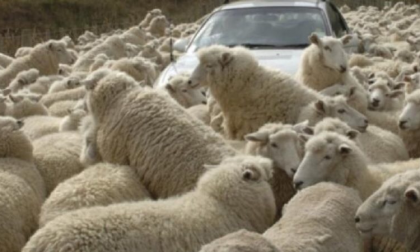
231, 157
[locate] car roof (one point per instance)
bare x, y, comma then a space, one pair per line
270, 3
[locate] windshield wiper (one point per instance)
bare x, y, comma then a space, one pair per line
255, 46
295, 46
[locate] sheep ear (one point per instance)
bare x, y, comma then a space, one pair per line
15, 99
250, 173
352, 134
399, 85
51, 45
416, 68
396, 93
7, 91
314, 39
344, 149
371, 76
413, 196
226, 58
410, 40
346, 39
170, 88
21, 82
407, 78
69, 111
259, 137
35, 98
320, 106
89, 84
20, 124
352, 91
303, 127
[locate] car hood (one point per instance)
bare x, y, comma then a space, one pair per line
285, 60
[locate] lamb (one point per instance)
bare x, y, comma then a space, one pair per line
72, 121
23, 79
23, 51
380, 146
135, 67
409, 123
381, 51
383, 98
57, 157
335, 158
24, 105
44, 57
113, 47
360, 61
393, 210
324, 63
327, 227
98, 62
5, 60
64, 84
183, 93
38, 126
21, 187
100, 185
236, 194
132, 109
357, 98
43, 84
135, 35
246, 106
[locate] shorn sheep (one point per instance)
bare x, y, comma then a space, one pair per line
122, 109
21, 187
335, 158
380, 146
44, 57
319, 219
100, 185
250, 95
393, 210
232, 196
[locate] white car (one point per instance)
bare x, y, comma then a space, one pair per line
276, 31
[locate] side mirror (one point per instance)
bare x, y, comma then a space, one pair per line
181, 44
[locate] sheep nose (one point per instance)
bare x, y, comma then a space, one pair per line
357, 219
202, 92
189, 82
375, 102
298, 185
403, 124
343, 69
204, 102
293, 170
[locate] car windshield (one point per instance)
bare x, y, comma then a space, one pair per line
261, 28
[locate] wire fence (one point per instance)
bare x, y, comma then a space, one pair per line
179, 11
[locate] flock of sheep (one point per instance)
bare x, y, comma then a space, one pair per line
232, 157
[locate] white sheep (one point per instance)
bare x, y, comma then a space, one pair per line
405, 55
5, 60
43, 84
232, 74
39, 126
132, 109
136, 67
57, 157
98, 62
25, 104
183, 93
393, 210
357, 97
135, 35
23, 51
44, 57
319, 219
412, 83
149, 16
64, 84
324, 63
72, 121
90, 154
236, 195
383, 98
72, 94
3, 103
409, 123
414, 43
200, 112
157, 26
62, 108
100, 185
113, 47
335, 158
23, 79
380, 146
21, 187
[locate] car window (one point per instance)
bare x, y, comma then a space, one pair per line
260, 27
337, 23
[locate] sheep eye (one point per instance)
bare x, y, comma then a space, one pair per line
327, 48
184, 90
341, 111
274, 145
338, 93
327, 157
391, 202
209, 66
